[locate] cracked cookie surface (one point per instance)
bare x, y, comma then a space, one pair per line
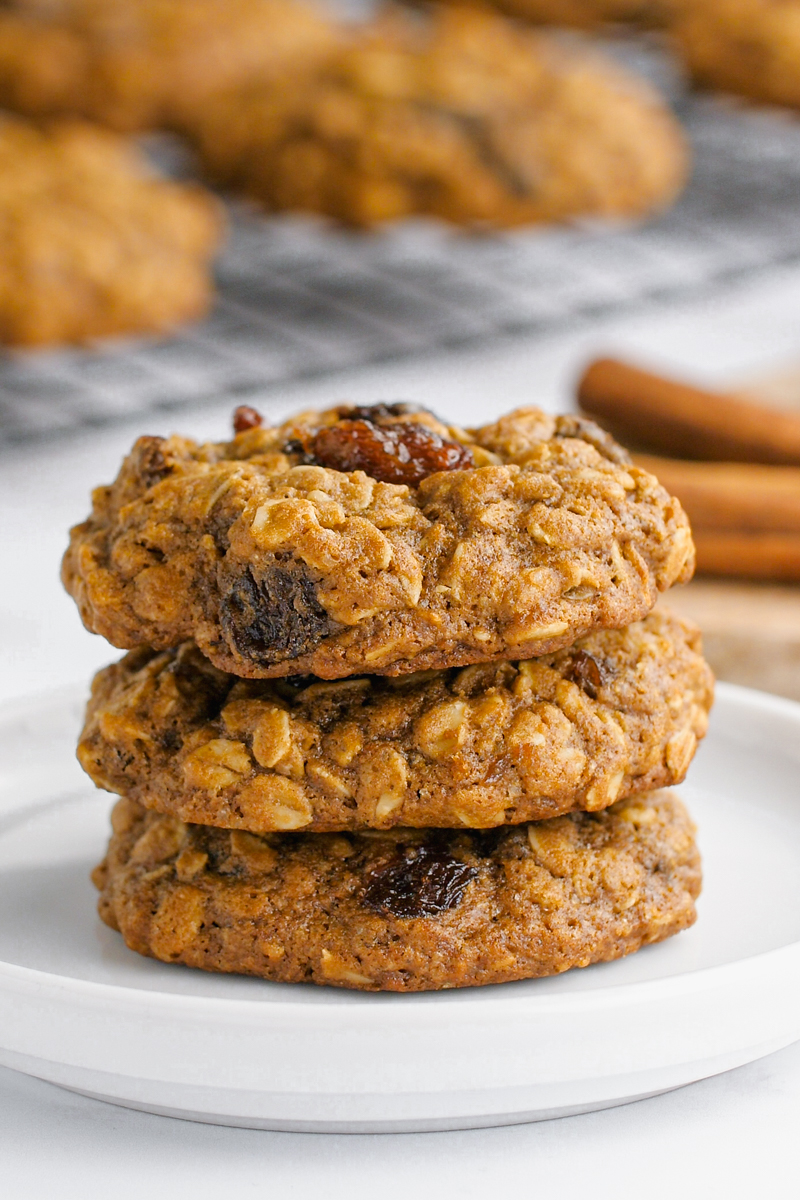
277, 564
402, 910
145, 64
92, 243
618, 713
461, 115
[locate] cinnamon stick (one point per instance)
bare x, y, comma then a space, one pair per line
688, 422
763, 556
742, 497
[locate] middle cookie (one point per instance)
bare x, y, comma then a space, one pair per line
617, 713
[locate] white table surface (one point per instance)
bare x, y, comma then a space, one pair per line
732, 1136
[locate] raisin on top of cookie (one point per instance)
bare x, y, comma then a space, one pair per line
376, 540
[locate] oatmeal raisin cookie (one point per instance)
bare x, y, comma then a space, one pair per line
618, 713
402, 910
750, 47
462, 116
376, 540
142, 64
91, 242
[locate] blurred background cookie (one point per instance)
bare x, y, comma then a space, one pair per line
144, 64
462, 115
91, 242
750, 47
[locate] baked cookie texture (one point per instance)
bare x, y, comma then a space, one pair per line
462, 116
286, 551
618, 713
402, 910
143, 64
750, 47
91, 242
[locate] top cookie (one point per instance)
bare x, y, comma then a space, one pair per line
461, 115
148, 63
376, 540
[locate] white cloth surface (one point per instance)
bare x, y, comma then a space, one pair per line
730, 1136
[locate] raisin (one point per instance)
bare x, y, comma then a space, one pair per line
298, 450
170, 740
430, 882
151, 465
203, 691
275, 617
245, 417
297, 683
587, 672
399, 453
378, 412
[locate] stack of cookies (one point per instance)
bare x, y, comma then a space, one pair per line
397, 708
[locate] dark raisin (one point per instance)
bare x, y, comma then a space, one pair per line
419, 884
572, 426
202, 690
299, 450
274, 617
298, 682
134, 660
291, 687
151, 465
245, 417
378, 412
400, 453
170, 740
586, 671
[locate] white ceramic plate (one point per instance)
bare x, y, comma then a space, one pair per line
77, 1008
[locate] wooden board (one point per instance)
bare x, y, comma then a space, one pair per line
775, 389
751, 632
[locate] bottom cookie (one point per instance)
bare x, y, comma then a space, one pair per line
402, 910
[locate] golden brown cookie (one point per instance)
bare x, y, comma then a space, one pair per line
463, 116
402, 910
91, 242
618, 713
141, 64
376, 540
751, 47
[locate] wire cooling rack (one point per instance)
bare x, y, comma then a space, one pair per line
299, 298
